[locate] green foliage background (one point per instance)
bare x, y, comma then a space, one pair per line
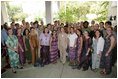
15, 12
70, 11
75, 11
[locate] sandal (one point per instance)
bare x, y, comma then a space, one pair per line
13, 71
19, 67
101, 72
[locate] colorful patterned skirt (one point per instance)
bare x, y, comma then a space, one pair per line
72, 52
54, 54
14, 58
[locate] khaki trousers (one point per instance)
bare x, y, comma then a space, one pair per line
63, 54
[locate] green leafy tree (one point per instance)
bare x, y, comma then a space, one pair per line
38, 18
15, 12
75, 11
103, 12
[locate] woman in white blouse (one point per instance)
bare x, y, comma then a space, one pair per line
72, 46
98, 45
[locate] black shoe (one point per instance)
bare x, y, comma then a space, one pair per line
19, 67
13, 71
42, 65
78, 67
47, 63
74, 67
36, 64
93, 70
84, 69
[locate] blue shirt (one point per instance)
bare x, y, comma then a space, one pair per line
3, 36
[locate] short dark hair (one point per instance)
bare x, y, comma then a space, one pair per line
44, 30
102, 22
86, 22
12, 23
9, 28
36, 22
80, 31
31, 28
111, 28
48, 24
5, 26
55, 21
53, 31
17, 24
108, 22
1, 27
99, 32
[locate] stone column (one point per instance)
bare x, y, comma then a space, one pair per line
4, 15
48, 12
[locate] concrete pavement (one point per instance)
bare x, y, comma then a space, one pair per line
57, 70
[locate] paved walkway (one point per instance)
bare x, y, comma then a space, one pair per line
55, 71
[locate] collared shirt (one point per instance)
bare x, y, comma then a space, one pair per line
44, 39
3, 36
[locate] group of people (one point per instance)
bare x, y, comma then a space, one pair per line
84, 44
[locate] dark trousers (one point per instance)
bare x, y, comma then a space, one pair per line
45, 54
114, 55
106, 63
4, 53
85, 62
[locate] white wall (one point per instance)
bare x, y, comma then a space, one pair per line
113, 11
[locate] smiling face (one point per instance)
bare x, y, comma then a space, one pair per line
54, 32
101, 24
71, 30
10, 32
78, 32
26, 32
109, 30
96, 27
46, 30
32, 30
62, 30
97, 34
49, 27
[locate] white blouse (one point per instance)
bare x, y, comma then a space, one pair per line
100, 44
72, 39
